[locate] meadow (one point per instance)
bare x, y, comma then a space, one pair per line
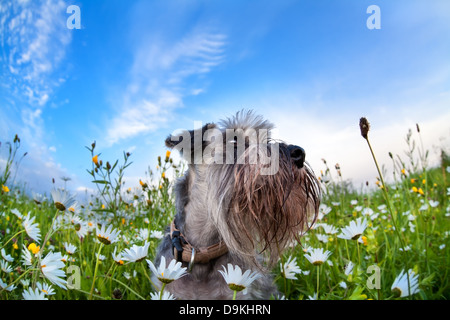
372, 237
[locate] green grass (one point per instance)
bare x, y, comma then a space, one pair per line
401, 215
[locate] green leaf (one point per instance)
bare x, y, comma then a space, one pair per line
100, 181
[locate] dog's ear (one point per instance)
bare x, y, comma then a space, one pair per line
185, 141
171, 141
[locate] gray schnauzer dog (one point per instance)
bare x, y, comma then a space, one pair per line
243, 200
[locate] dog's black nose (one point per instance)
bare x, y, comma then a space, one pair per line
297, 155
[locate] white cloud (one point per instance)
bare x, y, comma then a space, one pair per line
158, 81
34, 41
338, 140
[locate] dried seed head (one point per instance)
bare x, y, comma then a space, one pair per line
364, 126
417, 127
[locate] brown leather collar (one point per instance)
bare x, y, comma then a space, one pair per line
184, 251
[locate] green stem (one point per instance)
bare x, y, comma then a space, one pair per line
21, 276
95, 271
346, 247
359, 258
131, 290
148, 277
234, 295
162, 290
12, 238
318, 271
394, 219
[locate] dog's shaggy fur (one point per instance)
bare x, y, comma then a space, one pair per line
256, 215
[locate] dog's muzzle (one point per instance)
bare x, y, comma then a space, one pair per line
297, 155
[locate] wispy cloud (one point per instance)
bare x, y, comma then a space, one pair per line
158, 81
34, 40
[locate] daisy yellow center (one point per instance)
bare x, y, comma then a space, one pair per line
397, 292
356, 236
317, 262
60, 206
45, 291
164, 280
236, 287
104, 240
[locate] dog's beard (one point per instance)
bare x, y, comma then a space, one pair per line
257, 213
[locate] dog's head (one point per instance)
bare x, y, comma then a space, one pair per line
260, 194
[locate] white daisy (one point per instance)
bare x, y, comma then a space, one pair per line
45, 288
367, 212
4, 265
81, 229
354, 230
7, 257
108, 235
17, 213
348, 268
167, 274
136, 253
313, 297
290, 268
329, 229
236, 280
32, 228
51, 267
317, 256
27, 259
433, 203
156, 234
70, 248
100, 256
144, 234
118, 259
36, 294
322, 237
5, 286
62, 199
165, 296
400, 285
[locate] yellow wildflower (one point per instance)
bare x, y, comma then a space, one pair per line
5, 189
95, 160
413, 180
15, 246
167, 155
421, 191
404, 171
364, 239
424, 181
34, 248
163, 175
414, 189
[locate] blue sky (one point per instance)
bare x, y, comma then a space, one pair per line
138, 70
